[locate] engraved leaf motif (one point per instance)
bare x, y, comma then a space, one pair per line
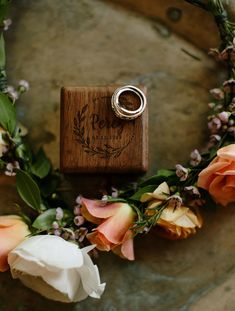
82, 131
106, 152
84, 109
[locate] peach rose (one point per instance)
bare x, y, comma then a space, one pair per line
219, 177
173, 223
114, 222
12, 232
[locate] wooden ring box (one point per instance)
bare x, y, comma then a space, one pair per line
93, 139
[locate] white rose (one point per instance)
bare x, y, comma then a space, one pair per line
3, 145
56, 269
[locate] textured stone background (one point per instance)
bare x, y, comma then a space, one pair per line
54, 43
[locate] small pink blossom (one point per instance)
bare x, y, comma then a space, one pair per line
211, 105
175, 201
193, 191
59, 213
217, 93
79, 220
81, 233
11, 167
57, 232
23, 86
231, 129
214, 125
77, 210
215, 138
68, 234
181, 172
224, 116
114, 192
195, 157
12, 92
7, 23
228, 54
229, 86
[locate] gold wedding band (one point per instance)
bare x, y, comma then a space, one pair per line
122, 112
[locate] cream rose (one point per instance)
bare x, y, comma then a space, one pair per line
173, 223
56, 269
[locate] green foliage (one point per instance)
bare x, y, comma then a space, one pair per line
2, 52
209, 202
4, 7
7, 114
46, 219
23, 152
26, 219
42, 166
2, 164
161, 176
141, 191
115, 200
28, 190
49, 184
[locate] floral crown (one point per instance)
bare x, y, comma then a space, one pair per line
168, 203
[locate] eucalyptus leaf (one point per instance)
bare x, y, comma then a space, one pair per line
141, 191
7, 114
42, 165
46, 219
28, 190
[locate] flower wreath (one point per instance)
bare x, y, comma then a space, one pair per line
168, 202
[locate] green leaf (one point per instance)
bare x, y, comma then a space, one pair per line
4, 7
48, 185
46, 219
42, 165
28, 190
209, 202
26, 219
23, 152
7, 114
138, 194
115, 200
162, 175
2, 52
2, 164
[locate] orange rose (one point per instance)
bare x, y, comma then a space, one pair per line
12, 232
219, 177
114, 223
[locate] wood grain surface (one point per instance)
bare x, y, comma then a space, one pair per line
94, 140
179, 17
